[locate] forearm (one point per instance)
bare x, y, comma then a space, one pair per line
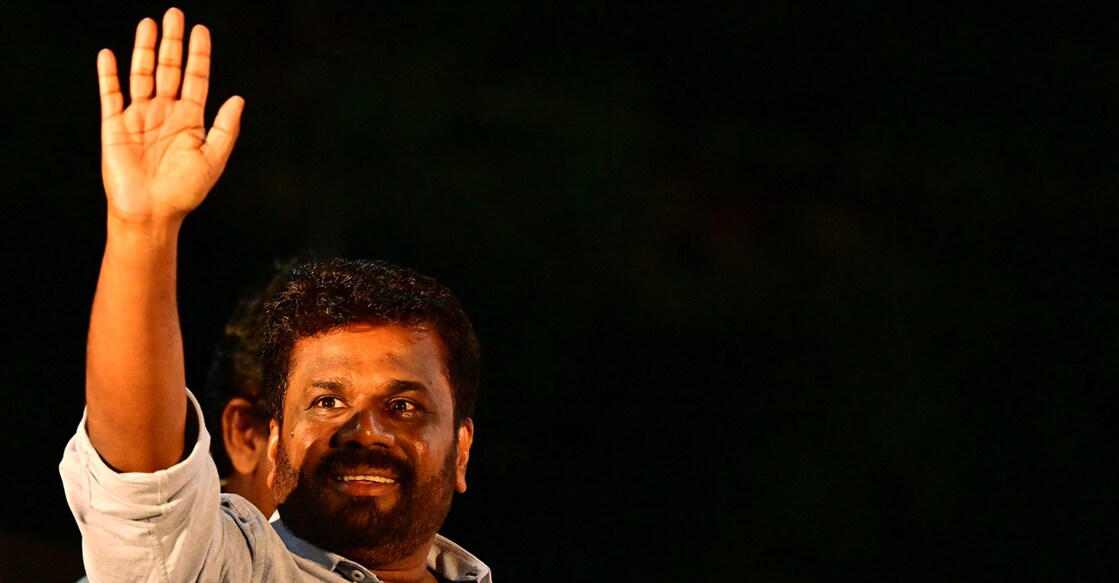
135, 377
157, 165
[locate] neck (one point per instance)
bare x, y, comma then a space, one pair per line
410, 569
423, 576
250, 488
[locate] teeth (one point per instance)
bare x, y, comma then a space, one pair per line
378, 479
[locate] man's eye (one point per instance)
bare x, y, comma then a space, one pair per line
327, 403
403, 408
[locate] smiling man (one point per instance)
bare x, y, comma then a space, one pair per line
372, 370
369, 370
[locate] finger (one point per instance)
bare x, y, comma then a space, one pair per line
196, 82
169, 70
143, 61
112, 102
220, 138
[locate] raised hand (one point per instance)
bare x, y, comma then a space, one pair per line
157, 160
158, 164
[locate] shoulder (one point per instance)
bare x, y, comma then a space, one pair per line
455, 563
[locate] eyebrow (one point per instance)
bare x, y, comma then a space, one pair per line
395, 386
327, 384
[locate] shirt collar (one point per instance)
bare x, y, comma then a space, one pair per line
455, 563
446, 558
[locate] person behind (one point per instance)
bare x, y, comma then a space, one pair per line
235, 407
234, 403
370, 374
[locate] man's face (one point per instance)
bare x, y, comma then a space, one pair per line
368, 457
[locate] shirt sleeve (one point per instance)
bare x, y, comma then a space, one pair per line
164, 526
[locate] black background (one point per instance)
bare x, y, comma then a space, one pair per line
790, 292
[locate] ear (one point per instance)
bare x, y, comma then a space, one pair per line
273, 444
242, 435
465, 440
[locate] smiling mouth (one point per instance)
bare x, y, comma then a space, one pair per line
366, 478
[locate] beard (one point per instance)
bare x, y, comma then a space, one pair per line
370, 530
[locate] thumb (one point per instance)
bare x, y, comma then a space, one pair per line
221, 137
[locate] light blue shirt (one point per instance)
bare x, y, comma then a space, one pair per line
175, 525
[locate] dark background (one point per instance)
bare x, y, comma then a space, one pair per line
789, 292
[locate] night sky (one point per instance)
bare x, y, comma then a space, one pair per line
824, 292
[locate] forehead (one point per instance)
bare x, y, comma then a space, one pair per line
371, 355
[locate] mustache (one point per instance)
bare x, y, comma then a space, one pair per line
336, 461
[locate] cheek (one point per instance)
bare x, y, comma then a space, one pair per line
300, 446
432, 446
299, 437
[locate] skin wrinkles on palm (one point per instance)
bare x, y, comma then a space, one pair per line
157, 160
158, 163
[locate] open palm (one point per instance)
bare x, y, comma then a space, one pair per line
157, 160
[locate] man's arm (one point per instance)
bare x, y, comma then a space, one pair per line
158, 164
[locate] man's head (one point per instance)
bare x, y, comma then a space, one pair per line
371, 373
236, 414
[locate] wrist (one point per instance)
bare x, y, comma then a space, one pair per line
149, 230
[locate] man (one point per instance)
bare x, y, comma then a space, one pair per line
370, 373
234, 403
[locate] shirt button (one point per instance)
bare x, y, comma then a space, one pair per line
358, 575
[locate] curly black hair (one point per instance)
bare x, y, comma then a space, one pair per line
322, 296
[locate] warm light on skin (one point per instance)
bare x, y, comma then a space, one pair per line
246, 445
376, 386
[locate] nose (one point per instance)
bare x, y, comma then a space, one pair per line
364, 428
